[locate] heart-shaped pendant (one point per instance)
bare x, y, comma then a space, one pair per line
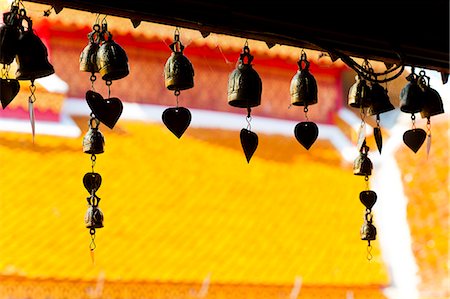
249, 141
306, 133
414, 138
177, 120
368, 198
9, 88
92, 181
107, 111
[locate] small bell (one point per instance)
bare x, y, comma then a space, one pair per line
93, 217
178, 70
379, 100
303, 85
362, 164
32, 55
358, 95
112, 61
93, 141
244, 83
88, 57
432, 101
368, 231
9, 36
411, 96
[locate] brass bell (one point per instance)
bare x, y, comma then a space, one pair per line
432, 101
358, 95
362, 164
379, 100
178, 70
303, 85
244, 83
94, 216
112, 61
88, 57
32, 55
411, 96
93, 141
368, 231
9, 36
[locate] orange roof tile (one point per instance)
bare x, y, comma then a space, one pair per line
426, 184
179, 210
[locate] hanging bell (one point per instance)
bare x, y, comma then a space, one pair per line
358, 95
411, 96
93, 141
303, 85
88, 57
112, 61
244, 83
368, 231
93, 217
432, 101
32, 55
362, 164
9, 36
178, 70
379, 100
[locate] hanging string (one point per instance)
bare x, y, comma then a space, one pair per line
305, 109
413, 120
92, 245
31, 100
428, 136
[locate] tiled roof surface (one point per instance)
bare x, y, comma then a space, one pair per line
178, 210
426, 184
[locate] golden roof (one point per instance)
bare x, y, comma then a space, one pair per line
180, 210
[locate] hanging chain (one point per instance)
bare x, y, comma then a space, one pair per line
108, 84
413, 120
177, 94
249, 118
305, 109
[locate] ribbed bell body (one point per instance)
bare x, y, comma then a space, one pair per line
362, 164
93, 141
379, 100
112, 61
88, 57
93, 217
244, 84
178, 72
9, 38
358, 95
432, 104
32, 57
368, 232
411, 97
303, 87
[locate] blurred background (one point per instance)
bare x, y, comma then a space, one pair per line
189, 217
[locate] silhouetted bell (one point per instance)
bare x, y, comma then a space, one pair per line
93, 217
379, 100
411, 96
244, 83
178, 70
303, 85
368, 231
358, 95
93, 141
32, 55
9, 36
88, 57
112, 61
362, 164
432, 104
